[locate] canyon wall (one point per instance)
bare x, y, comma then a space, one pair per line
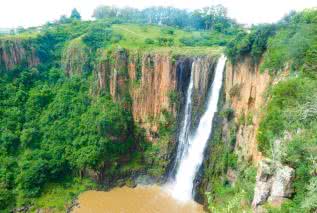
245, 88
75, 58
17, 52
235, 124
153, 83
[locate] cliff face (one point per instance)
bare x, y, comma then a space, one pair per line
236, 124
245, 89
14, 52
203, 72
75, 58
152, 83
154, 87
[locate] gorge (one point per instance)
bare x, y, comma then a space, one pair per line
132, 116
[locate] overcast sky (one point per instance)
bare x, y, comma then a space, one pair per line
14, 13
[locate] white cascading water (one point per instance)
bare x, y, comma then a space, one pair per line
192, 146
183, 135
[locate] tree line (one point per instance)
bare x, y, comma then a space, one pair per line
208, 18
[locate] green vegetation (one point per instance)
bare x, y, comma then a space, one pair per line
287, 41
157, 154
292, 106
291, 112
233, 198
295, 39
253, 43
55, 127
232, 181
152, 37
57, 196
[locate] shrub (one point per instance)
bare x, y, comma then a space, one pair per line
173, 97
235, 91
168, 31
97, 36
149, 41
162, 41
254, 43
227, 113
116, 38
249, 119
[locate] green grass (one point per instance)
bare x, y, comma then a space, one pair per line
58, 196
237, 198
135, 35
26, 35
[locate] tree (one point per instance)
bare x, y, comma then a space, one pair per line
64, 20
75, 14
102, 12
97, 36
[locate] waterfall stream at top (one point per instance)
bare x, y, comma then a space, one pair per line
192, 142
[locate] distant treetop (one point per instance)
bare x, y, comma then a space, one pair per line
75, 14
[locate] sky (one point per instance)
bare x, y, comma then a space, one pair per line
26, 13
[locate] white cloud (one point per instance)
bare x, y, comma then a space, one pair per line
15, 13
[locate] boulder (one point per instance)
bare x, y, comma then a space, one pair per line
281, 184
273, 183
263, 183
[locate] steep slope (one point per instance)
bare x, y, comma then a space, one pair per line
245, 89
16, 52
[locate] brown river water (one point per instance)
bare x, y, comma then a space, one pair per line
142, 199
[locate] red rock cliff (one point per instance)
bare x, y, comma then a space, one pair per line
14, 52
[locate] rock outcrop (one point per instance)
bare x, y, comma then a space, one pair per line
273, 183
17, 52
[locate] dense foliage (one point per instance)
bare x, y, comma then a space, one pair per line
252, 43
286, 41
51, 129
287, 132
291, 114
55, 127
293, 43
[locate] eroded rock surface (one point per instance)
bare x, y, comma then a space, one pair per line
245, 88
17, 52
273, 183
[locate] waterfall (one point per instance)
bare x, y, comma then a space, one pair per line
191, 145
183, 135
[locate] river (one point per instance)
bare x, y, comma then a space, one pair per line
142, 199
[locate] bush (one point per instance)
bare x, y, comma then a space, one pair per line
97, 36
253, 43
292, 43
235, 91
116, 38
173, 98
168, 31
162, 41
227, 113
149, 41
